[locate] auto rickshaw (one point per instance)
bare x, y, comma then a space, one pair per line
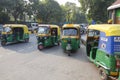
14, 33
48, 35
103, 48
70, 38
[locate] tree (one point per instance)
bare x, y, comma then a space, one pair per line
14, 7
4, 18
96, 9
74, 14
17, 8
49, 11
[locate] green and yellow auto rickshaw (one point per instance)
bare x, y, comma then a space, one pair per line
103, 48
48, 35
70, 38
14, 33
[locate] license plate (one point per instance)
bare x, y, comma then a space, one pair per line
114, 73
65, 40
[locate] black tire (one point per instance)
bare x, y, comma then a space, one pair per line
103, 74
69, 54
3, 43
27, 40
79, 46
40, 48
58, 43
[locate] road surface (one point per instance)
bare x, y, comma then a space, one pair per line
23, 61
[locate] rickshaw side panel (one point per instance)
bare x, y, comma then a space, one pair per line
109, 44
104, 60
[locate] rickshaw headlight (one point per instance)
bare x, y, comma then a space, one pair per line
45, 37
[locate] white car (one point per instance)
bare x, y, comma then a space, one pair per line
33, 27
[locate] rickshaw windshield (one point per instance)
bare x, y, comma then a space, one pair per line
7, 29
70, 32
93, 33
43, 30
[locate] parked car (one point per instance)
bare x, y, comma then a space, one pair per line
83, 28
32, 27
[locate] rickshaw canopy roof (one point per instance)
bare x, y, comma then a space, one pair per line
49, 25
108, 29
71, 26
17, 26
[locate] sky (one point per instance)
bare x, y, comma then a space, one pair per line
64, 1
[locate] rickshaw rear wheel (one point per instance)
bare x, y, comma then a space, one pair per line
3, 43
103, 74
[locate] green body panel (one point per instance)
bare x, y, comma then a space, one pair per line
119, 76
50, 41
103, 59
118, 13
107, 60
11, 38
74, 43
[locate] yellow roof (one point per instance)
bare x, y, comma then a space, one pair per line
50, 25
71, 25
109, 29
15, 25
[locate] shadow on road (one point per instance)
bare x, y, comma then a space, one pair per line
22, 47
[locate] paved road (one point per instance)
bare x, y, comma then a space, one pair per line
23, 61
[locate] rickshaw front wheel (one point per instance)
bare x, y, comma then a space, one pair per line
69, 54
103, 74
3, 43
40, 47
27, 40
79, 46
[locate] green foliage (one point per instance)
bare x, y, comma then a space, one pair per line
45, 11
74, 14
96, 9
14, 7
49, 11
4, 18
